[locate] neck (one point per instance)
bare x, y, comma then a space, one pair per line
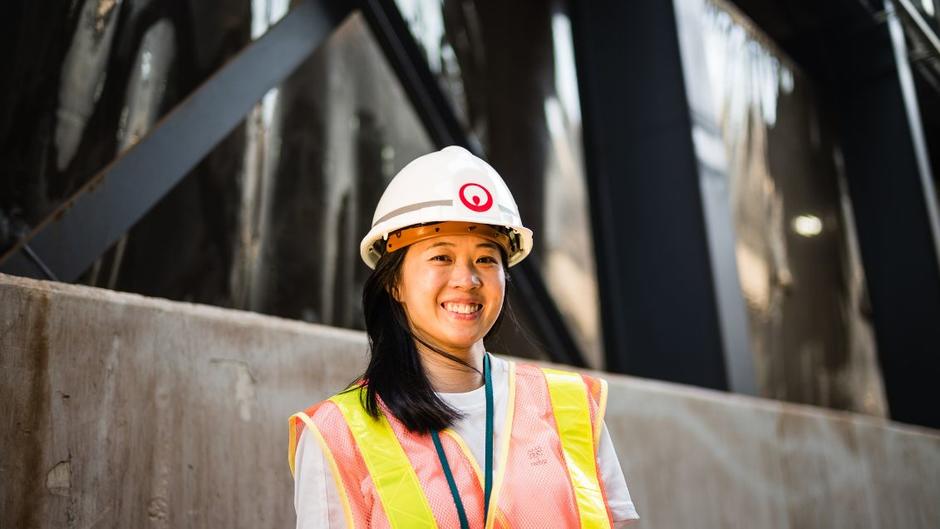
448, 376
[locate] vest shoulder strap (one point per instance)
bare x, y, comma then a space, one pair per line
296, 424
597, 391
396, 483
569, 398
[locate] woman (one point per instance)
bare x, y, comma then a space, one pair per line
438, 432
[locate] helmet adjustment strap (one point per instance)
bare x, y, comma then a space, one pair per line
408, 236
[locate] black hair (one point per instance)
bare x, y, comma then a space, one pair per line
395, 373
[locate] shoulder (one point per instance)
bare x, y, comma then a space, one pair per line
326, 416
327, 411
553, 374
326, 422
552, 377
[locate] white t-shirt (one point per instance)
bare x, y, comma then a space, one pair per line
317, 502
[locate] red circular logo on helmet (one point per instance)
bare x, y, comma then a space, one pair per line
476, 197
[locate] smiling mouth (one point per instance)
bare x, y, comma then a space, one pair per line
462, 308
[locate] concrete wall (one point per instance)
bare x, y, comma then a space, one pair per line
123, 411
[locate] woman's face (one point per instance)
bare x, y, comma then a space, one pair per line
452, 289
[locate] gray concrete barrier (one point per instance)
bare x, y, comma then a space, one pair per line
125, 411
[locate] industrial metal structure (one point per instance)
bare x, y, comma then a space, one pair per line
666, 246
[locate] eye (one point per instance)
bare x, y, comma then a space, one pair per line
442, 258
487, 259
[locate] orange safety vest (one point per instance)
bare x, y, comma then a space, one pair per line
546, 475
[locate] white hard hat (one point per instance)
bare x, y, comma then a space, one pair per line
450, 185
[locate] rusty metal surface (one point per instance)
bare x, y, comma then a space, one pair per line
125, 411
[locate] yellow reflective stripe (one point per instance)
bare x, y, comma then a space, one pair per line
601, 410
573, 419
331, 461
395, 480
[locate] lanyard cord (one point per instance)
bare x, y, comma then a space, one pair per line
488, 455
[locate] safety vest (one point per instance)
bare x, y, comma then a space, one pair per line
546, 470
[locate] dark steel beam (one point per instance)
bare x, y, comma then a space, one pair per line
894, 206
440, 120
88, 223
553, 331
912, 108
659, 306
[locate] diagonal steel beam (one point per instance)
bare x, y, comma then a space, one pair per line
909, 92
439, 119
68, 241
411, 67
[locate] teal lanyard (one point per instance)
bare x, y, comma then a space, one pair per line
488, 454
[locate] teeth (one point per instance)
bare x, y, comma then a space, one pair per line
462, 308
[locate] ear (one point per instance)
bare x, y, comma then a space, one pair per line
395, 292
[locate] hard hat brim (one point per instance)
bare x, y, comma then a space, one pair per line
371, 252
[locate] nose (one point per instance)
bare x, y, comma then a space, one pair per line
465, 276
